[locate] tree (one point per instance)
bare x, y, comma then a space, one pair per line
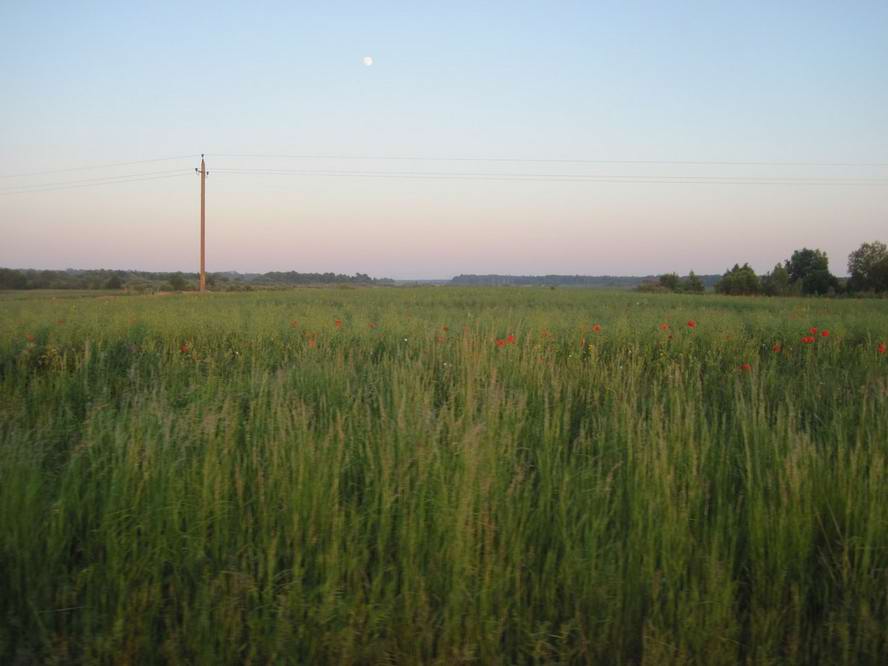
804, 262
177, 282
776, 283
669, 281
740, 280
12, 279
810, 268
868, 267
114, 282
692, 284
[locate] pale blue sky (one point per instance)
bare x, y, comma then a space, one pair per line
88, 83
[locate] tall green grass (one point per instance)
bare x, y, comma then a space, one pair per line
234, 479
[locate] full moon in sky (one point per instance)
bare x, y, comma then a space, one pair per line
368, 61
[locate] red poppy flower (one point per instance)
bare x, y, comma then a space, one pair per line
500, 342
371, 325
777, 348
184, 348
664, 327
338, 323
440, 338
746, 367
596, 328
510, 339
813, 330
29, 337
824, 333
312, 343
808, 339
294, 323
692, 324
882, 348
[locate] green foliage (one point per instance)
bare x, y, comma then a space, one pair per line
669, 281
820, 282
810, 269
236, 479
868, 267
739, 281
692, 284
672, 282
804, 262
151, 281
178, 283
776, 283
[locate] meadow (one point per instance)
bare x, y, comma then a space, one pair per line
442, 475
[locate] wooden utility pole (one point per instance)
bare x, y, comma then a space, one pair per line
203, 233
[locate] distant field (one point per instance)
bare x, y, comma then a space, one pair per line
442, 475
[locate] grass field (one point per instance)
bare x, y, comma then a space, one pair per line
361, 476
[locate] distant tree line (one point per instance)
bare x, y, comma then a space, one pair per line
690, 284
551, 280
807, 272
142, 281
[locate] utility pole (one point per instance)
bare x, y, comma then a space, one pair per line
203, 234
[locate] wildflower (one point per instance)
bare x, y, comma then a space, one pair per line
596, 328
745, 367
338, 323
440, 339
808, 339
312, 343
29, 337
60, 322
664, 326
445, 328
813, 330
510, 339
294, 323
371, 325
882, 348
776, 348
500, 343
183, 348
824, 333
692, 324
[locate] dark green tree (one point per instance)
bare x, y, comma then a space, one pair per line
810, 268
868, 267
178, 283
776, 283
739, 280
669, 281
692, 284
806, 261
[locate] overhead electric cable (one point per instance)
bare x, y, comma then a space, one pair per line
95, 166
94, 183
550, 161
536, 177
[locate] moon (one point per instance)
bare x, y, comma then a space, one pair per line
368, 60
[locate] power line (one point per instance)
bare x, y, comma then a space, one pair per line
679, 180
96, 166
55, 187
551, 161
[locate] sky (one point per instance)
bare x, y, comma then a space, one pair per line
452, 85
